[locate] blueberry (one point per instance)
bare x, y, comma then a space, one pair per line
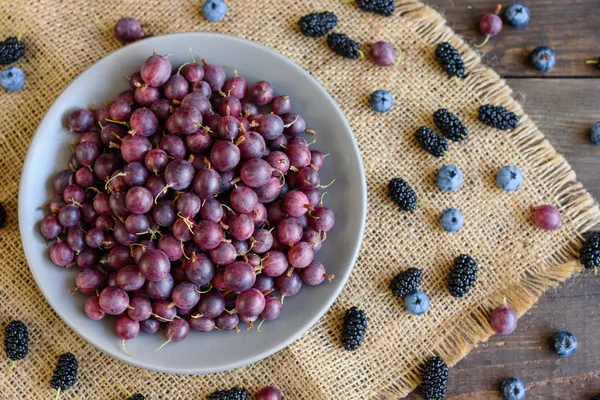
449, 178
416, 302
513, 389
595, 133
214, 10
564, 344
543, 58
452, 220
509, 178
382, 101
12, 79
517, 15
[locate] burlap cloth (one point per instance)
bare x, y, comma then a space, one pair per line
517, 259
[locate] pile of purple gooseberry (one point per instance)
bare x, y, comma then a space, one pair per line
188, 202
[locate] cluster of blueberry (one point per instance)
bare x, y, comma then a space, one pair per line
450, 178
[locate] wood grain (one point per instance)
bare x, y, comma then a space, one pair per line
570, 27
564, 109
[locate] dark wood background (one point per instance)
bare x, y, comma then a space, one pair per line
564, 103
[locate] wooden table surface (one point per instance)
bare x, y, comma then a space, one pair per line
564, 103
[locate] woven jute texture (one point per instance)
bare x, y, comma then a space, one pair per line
517, 260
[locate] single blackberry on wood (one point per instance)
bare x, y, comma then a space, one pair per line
383, 7
402, 194
235, 393
463, 275
343, 45
431, 141
450, 125
65, 373
11, 50
16, 341
450, 60
434, 379
406, 282
589, 255
354, 328
498, 117
317, 24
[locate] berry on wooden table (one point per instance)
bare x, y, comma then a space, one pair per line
381, 101
354, 328
417, 302
383, 7
517, 15
595, 133
12, 79
383, 54
543, 58
450, 60
513, 389
406, 282
11, 50
589, 255
463, 275
509, 178
431, 142
65, 373
402, 194
547, 217
498, 117
344, 46
214, 10
450, 125
490, 25
564, 344
235, 393
452, 220
449, 178
16, 342
434, 379
317, 24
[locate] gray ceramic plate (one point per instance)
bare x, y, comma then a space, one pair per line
201, 352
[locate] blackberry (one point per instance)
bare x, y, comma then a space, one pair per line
2, 216
406, 282
16, 341
498, 117
137, 396
235, 393
434, 379
589, 255
450, 125
383, 7
11, 50
450, 60
597, 397
343, 45
431, 141
317, 24
463, 275
65, 373
402, 194
355, 326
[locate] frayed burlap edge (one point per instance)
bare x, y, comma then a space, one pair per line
578, 207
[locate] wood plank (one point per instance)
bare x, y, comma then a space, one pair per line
564, 109
570, 27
